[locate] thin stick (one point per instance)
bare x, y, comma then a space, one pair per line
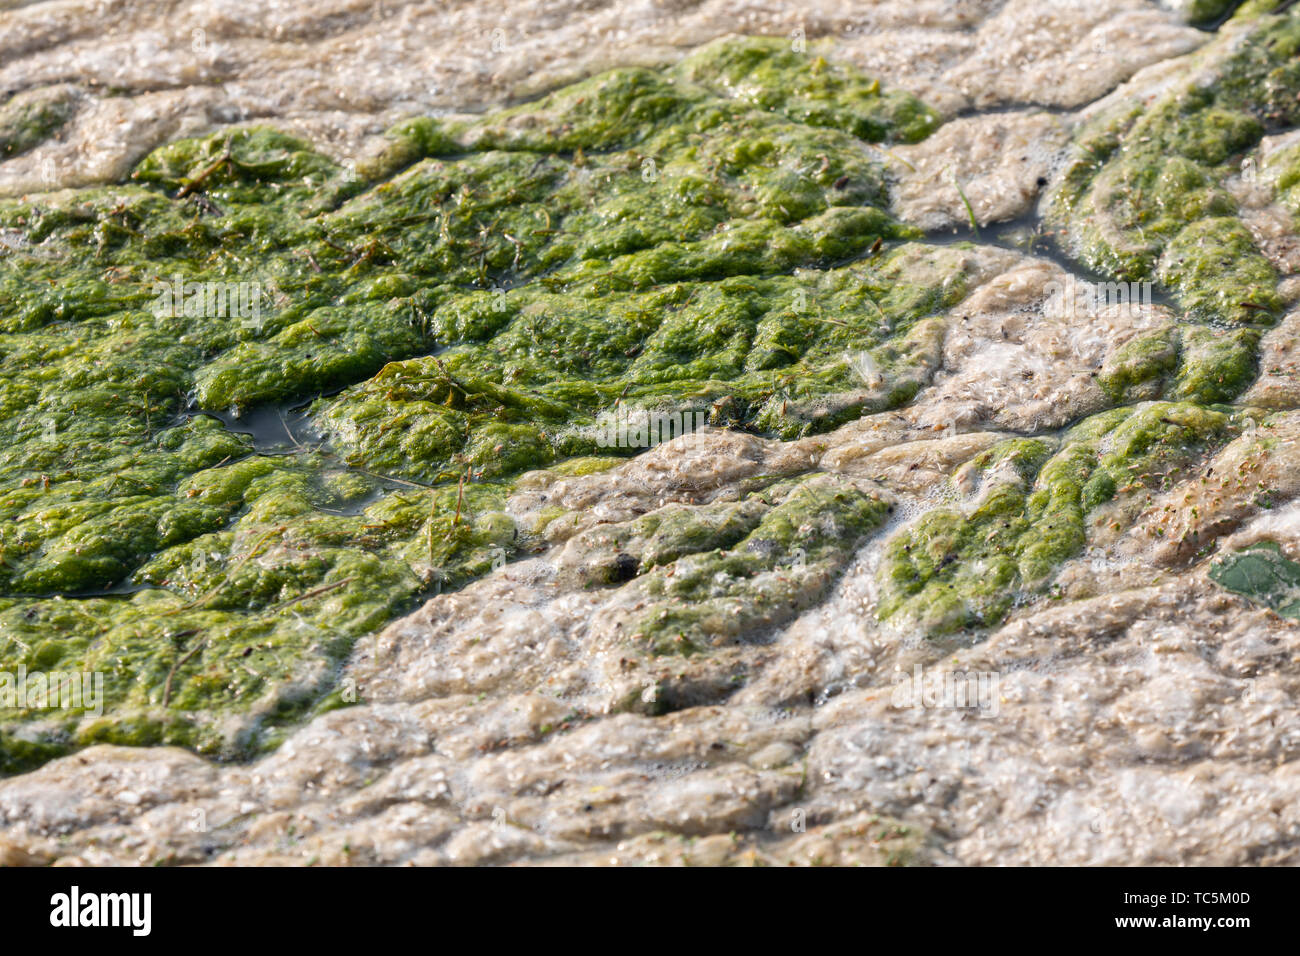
167, 687
235, 567
315, 592
399, 481
970, 213
198, 180
288, 431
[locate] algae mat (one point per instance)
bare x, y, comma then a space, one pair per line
478, 296
453, 317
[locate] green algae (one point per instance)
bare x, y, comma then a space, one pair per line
28, 119
481, 298
619, 552
1217, 365
784, 565
1215, 269
768, 73
1141, 197
1265, 575
1139, 369
1182, 363
1203, 12
965, 567
1283, 166
469, 302
762, 353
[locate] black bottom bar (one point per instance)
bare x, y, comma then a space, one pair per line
334, 907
